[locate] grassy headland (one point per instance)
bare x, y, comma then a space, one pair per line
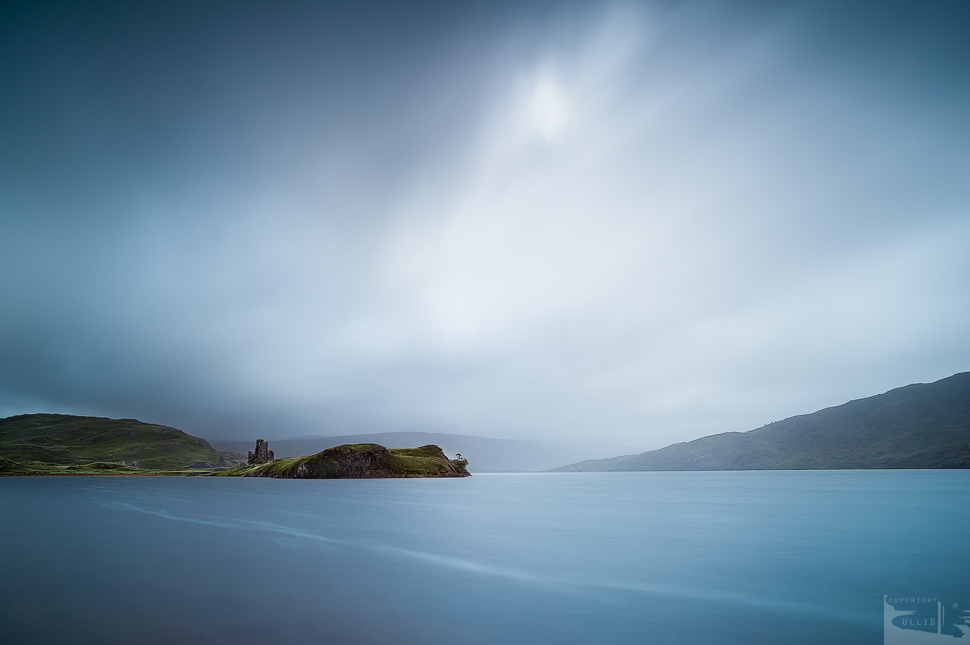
60, 444
360, 461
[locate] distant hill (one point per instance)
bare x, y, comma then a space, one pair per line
917, 426
484, 455
32, 443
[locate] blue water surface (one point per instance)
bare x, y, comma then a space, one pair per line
680, 558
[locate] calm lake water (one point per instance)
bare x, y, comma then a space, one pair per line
720, 557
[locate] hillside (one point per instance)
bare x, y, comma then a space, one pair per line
360, 461
60, 443
917, 426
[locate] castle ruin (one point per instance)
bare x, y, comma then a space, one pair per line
263, 454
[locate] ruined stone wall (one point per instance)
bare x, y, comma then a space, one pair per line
263, 454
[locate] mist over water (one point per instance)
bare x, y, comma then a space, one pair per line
727, 557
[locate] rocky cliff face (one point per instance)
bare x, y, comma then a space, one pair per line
364, 461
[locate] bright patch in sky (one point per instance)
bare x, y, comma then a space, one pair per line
547, 109
638, 223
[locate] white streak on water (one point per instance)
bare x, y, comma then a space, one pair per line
562, 585
228, 524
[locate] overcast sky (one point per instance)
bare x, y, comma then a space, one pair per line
634, 222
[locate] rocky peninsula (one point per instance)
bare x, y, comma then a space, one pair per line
360, 461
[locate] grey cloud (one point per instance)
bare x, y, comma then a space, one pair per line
640, 223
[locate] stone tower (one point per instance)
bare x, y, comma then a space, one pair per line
263, 454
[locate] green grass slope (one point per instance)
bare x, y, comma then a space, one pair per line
360, 461
917, 426
65, 444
